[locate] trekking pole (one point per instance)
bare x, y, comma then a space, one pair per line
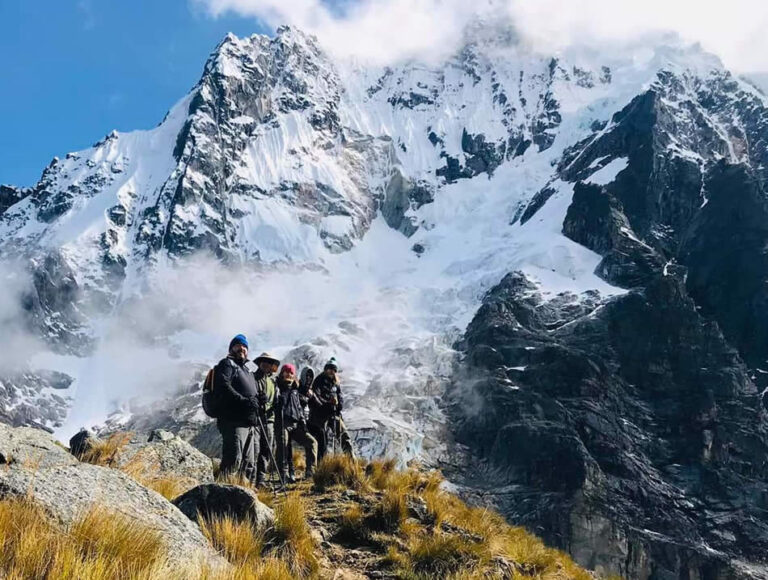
336, 435
271, 455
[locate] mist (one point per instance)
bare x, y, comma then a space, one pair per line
180, 323
18, 341
387, 31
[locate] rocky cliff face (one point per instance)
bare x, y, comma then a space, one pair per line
545, 275
627, 430
632, 430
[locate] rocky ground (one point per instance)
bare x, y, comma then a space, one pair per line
352, 520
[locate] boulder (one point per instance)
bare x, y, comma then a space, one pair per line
31, 448
52, 478
82, 442
216, 500
163, 454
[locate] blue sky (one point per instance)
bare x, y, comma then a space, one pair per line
73, 70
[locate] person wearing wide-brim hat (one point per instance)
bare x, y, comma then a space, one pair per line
267, 394
266, 357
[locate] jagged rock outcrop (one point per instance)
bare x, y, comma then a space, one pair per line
37, 398
724, 252
10, 195
631, 430
627, 431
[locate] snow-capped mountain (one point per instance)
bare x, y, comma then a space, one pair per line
376, 214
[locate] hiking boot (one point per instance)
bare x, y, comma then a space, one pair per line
289, 478
309, 473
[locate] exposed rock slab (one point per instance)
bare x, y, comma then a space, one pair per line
66, 489
31, 448
163, 454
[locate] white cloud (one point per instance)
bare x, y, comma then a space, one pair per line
393, 29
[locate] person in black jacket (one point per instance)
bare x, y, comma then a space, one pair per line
241, 401
325, 407
291, 425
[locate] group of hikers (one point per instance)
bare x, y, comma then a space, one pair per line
260, 412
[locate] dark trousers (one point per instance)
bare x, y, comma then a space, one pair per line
297, 432
337, 429
265, 451
240, 447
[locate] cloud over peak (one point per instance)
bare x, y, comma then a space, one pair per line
390, 30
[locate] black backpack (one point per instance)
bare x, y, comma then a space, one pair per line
211, 397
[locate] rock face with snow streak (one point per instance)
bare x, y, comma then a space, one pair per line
633, 430
622, 364
626, 430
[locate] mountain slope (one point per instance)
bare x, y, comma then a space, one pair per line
611, 204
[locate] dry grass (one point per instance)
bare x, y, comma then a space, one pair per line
442, 538
99, 545
148, 473
339, 470
353, 526
449, 539
291, 539
438, 555
380, 472
142, 468
240, 542
479, 537
105, 452
117, 538
267, 569
299, 460
273, 569
234, 479
389, 513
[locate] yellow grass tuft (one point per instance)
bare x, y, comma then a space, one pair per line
292, 541
273, 569
98, 546
105, 452
299, 460
122, 540
353, 526
240, 542
390, 512
339, 470
380, 472
148, 473
438, 555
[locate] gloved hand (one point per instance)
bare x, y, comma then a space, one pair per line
261, 397
253, 403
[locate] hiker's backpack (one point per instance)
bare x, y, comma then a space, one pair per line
211, 397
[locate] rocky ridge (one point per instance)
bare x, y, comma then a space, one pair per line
609, 388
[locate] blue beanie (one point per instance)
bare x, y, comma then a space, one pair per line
240, 338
